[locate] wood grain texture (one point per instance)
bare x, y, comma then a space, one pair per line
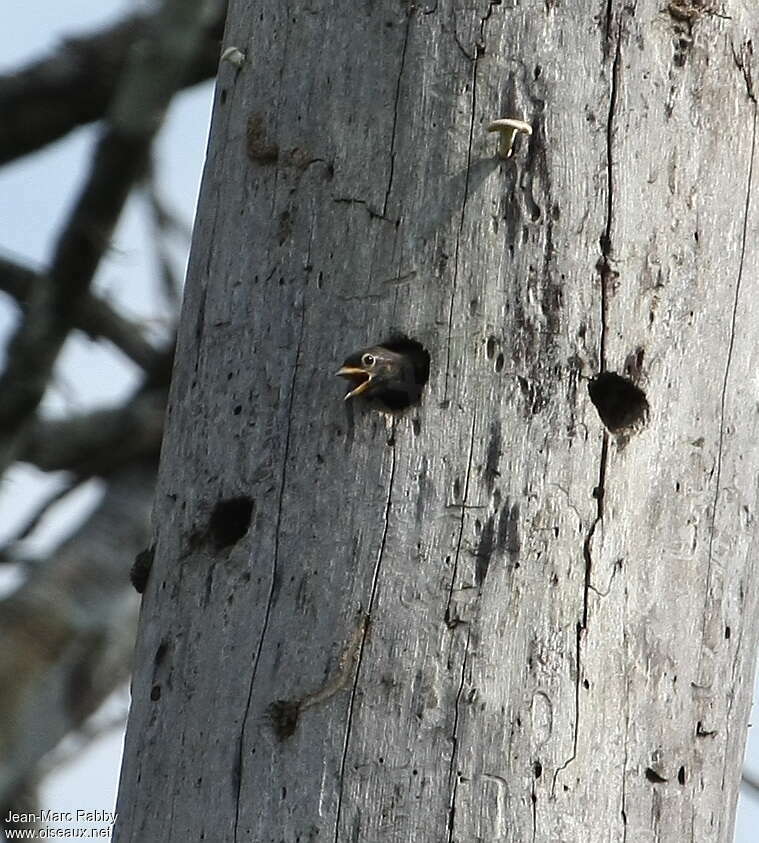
561, 623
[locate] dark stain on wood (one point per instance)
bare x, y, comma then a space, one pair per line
685, 14
494, 454
140, 571
283, 716
160, 654
485, 548
634, 364
508, 530
257, 147
422, 496
490, 347
285, 227
533, 394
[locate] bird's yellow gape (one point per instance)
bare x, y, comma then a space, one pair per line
392, 373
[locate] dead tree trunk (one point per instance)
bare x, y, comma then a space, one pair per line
492, 617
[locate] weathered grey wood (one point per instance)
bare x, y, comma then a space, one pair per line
562, 623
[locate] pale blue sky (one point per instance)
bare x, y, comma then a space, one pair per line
35, 195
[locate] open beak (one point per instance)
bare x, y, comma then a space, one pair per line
359, 376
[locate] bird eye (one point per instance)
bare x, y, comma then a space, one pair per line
368, 360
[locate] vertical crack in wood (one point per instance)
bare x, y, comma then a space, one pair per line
272, 584
210, 254
627, 725
730, 349
395, 114
742, 60
454, 285
483, 21
200, 315
723, 402
174, 791
598, 492
582, 624
465, 197
364, 633
285, 63
604, 263
731, 699
609, 18
452, 777
605, 272
460, 537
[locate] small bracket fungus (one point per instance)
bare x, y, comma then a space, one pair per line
235, 56
507, 127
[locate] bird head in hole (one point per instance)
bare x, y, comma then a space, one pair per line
393, 372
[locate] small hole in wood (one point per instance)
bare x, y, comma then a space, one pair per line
283, 716
141, 568
621, 405
160, 653
230, 521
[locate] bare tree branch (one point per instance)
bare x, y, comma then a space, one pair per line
49, 98
751, 782
94, 316
24, 803
99, 442
93, 729
31, 524
163, 222
68, 631
156, 68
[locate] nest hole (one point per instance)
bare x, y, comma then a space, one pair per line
621, 405
420, 360
230, 521
394, 391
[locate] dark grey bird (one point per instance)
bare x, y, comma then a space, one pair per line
392, 373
